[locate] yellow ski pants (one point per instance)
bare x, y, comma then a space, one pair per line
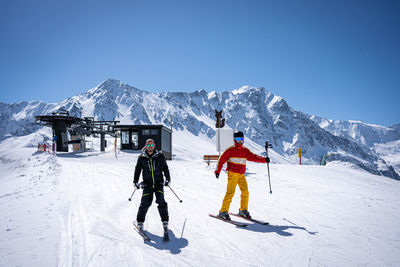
233, 180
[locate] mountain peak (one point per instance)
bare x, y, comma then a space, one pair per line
110, 82
114, 88
243, 89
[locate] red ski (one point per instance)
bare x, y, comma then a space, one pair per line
250, 219
141, 233
229, 221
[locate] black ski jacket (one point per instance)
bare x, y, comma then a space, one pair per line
153, 168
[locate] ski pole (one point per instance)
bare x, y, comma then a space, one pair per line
180, 200
132, 194
269, 178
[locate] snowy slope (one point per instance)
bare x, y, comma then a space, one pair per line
72, 210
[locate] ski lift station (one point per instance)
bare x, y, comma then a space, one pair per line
72, 130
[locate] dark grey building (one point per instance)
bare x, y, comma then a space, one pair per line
133, 137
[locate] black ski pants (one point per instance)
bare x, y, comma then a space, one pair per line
147, 199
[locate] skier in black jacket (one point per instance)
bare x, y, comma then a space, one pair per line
153, 165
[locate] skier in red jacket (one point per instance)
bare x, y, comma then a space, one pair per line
236, 157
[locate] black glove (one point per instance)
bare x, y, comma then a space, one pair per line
217, 174
137, 185
267, 160
167, 182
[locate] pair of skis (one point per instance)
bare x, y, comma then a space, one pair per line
146, 238
239, 224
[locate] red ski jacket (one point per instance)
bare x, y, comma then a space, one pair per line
236, 156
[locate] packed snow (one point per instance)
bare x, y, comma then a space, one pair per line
72, 209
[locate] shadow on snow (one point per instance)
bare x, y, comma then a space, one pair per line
77, 154
278, 229
174, 245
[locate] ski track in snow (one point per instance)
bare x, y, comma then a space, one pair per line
73, 210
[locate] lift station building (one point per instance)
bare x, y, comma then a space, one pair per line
133, 137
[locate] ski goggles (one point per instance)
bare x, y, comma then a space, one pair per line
238, 139
152, 145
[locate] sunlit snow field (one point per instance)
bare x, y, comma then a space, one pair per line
73, 210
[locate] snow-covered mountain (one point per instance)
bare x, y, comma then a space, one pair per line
258, 113
17, 119
395, 127
385, 141
358, 131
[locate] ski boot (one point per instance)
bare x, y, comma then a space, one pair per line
166, 236
244, 213
140, 226
224, 215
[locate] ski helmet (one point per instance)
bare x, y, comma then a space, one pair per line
238, 134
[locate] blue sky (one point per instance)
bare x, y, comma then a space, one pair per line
336, 59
